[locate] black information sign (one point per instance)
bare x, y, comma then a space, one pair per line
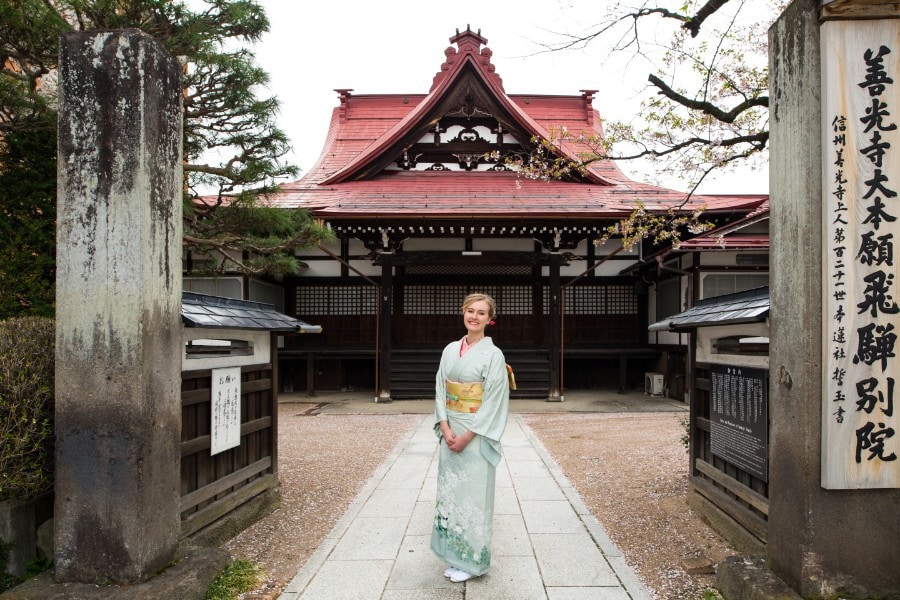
739, 417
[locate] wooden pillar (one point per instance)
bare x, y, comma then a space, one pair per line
690, 380
555, 392
537, 305
383, 393
310, 374
118, 308
273, 354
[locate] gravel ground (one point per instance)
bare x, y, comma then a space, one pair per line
629, 468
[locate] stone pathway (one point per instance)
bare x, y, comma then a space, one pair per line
546, 545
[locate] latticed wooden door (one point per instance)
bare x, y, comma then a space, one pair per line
431, 314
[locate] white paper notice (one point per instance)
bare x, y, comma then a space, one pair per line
226, 409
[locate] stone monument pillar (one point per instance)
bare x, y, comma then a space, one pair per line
118, 304
834, 506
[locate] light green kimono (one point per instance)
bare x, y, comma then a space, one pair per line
461, 535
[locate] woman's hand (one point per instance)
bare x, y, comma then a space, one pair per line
459, 442
447, 432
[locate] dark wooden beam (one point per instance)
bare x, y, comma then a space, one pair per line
458, 258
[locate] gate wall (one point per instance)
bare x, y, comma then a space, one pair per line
213, 486
736, 501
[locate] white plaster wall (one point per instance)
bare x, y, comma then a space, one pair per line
355, 247
326, 266
320, 268
435, 244
366, 268
258, 339
722, 258
494, 244
575, 267
706, 291
718, 258
227, 287
672, 338
706, 335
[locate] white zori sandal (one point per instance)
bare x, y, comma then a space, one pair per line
461, 576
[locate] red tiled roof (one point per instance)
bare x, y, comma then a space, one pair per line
727, 238
365, 127
721, 238
407, 194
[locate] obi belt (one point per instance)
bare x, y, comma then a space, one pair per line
464, 397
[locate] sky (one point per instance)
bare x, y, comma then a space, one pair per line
316, 47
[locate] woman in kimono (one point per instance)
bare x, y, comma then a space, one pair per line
471, 405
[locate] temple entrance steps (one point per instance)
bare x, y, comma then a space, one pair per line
532, 372
413, 371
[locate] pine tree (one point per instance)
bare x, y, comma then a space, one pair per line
233, 148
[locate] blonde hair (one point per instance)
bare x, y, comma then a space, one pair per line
471, 298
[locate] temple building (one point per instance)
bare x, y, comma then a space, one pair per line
425, 210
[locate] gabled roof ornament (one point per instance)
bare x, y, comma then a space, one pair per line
468, 43
588, 96
344, 95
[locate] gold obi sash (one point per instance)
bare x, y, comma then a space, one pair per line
464, 397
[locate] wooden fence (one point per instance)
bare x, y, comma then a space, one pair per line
213, 486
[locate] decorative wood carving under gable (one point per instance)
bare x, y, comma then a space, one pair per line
468, 104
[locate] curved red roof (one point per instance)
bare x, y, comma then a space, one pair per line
368, 131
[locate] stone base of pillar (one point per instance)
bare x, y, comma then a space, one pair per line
750, 577
190, 577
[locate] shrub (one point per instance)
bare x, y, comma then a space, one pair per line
26, 407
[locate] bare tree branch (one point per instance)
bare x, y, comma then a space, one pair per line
757, 141
706, 107
576, 41
692, 24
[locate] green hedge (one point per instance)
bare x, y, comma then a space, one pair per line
26, 407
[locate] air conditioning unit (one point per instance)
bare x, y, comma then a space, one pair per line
654, 384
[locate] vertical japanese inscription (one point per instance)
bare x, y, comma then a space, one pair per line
225, 428
739, 417
861, 176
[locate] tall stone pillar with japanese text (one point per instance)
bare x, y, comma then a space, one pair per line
834, 512
118, 308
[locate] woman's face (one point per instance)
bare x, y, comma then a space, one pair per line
476, 316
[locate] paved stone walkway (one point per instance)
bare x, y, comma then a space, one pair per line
546, 545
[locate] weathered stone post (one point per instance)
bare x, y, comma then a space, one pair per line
118, 419
841, 541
